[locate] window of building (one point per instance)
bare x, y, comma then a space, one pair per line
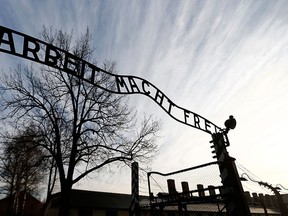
111, 213
85, 212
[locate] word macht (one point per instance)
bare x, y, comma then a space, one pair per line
27, 47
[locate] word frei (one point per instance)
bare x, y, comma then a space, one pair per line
24, 46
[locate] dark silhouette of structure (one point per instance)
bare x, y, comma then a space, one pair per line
20, 204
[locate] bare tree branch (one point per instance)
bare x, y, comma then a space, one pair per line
83, 126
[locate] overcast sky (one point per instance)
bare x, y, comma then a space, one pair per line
215, 58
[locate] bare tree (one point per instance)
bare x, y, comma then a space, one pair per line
22, 167
83, 126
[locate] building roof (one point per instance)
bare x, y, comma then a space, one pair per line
99, 200
115, 201
28, 196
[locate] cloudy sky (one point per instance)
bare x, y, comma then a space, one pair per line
215, 58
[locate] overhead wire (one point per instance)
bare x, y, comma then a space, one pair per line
282, 187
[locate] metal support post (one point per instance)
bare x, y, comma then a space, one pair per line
134, 209
233, 194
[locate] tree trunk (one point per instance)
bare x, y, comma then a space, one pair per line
51, 179
66, 187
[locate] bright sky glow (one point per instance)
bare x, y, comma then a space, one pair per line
215, 58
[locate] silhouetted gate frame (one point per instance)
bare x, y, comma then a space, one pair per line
71, 64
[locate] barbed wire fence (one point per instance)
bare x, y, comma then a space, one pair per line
194, 190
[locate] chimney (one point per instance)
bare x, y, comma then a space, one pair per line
185, 189
255, 198
171, 186
200, 190
211, 190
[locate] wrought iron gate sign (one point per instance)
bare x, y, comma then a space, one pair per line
25, 46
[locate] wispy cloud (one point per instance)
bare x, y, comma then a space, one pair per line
215, 58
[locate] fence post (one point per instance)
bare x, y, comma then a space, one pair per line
134, 208
234, 198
